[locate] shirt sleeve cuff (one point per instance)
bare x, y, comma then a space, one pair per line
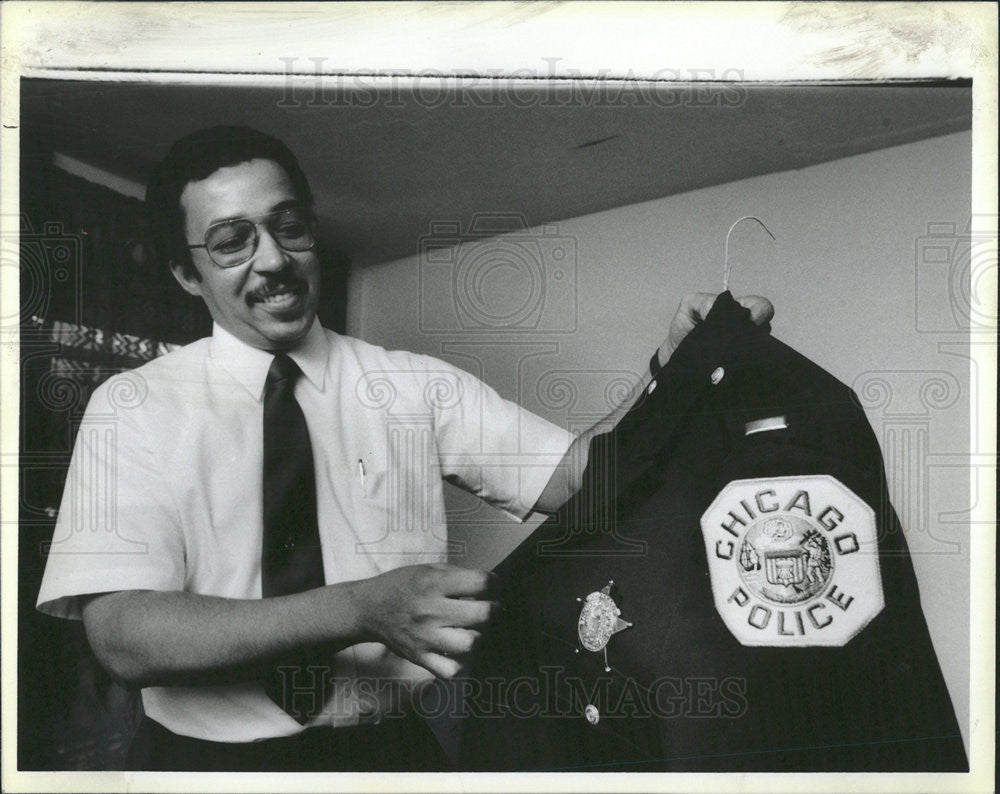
63, 599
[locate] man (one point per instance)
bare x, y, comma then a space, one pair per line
174, 527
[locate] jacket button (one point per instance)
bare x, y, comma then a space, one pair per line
717, 375
651, 387
592, 714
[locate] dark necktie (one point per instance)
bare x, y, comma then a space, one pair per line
291, 559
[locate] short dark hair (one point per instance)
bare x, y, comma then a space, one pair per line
195, 157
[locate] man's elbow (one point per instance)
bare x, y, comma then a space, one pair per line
109, 640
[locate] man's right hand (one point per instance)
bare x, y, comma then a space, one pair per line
427, 613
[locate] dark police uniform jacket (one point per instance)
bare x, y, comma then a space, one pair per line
740, 511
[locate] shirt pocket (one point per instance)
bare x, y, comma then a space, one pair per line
357, 483
370, 486
395, 517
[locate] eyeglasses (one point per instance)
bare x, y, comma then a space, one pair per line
231, 243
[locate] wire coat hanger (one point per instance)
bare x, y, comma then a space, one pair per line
728, 267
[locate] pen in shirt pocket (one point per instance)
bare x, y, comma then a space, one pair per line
361, 474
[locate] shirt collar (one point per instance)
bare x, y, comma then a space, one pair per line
249, 365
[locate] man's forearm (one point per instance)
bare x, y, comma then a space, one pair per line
147, 638
567, 479
568, 476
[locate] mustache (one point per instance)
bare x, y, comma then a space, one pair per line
277, 285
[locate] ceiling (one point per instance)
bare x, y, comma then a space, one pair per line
386, 164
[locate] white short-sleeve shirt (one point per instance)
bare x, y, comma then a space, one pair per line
164, 493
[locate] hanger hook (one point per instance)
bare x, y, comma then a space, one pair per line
729, 268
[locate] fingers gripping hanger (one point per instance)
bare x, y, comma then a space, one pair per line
729, 268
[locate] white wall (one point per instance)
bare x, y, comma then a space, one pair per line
854, 289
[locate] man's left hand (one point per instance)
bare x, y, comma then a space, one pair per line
695, 307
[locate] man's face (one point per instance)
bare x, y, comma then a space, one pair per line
270, 300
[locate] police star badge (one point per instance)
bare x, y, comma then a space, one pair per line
599, 621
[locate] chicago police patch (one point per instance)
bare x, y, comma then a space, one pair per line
793, 561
